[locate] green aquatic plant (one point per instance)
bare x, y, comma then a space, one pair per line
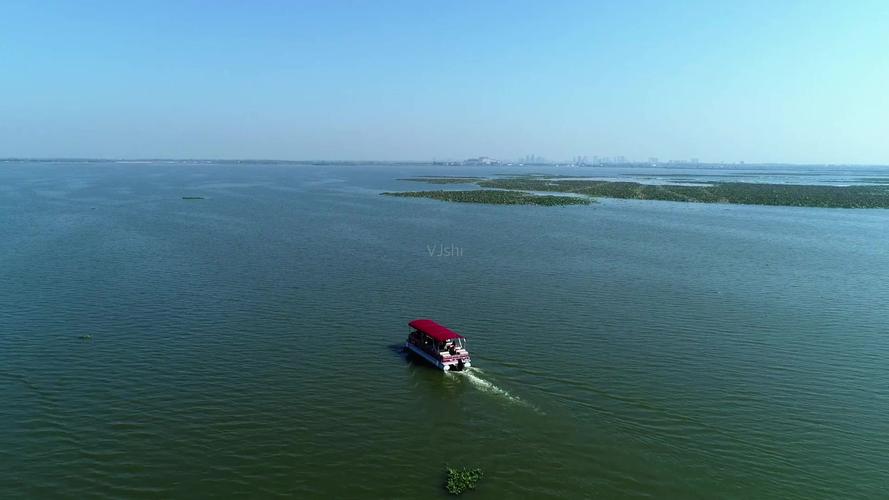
460, 480
495, 197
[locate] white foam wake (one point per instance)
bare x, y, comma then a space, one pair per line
476, 377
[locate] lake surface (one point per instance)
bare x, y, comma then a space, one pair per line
247, 344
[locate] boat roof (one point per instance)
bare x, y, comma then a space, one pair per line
434, 330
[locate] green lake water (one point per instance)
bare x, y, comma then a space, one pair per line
247, 344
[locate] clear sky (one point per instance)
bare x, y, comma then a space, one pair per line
771, 81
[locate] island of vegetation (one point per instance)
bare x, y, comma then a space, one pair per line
444, 180
495, 197
794, 195
747, 193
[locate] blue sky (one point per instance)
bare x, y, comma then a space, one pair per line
803, 82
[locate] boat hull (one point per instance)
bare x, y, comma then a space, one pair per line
441, 365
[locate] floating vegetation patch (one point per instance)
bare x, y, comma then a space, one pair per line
460, 480
795, 195
696, 175
546, 176
443, 180
727, 173
514, 190
495, 197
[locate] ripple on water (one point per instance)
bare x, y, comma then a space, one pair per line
243, 347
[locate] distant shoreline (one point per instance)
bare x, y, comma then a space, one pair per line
628, 164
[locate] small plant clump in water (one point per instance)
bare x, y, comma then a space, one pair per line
460, 480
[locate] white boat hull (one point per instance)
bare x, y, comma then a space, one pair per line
445, 366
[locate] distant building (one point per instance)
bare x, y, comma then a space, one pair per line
533, 160
481, 160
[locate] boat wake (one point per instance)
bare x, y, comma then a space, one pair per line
476, 377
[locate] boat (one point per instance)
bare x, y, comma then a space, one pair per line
439, 345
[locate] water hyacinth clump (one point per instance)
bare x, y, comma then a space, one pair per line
460, 480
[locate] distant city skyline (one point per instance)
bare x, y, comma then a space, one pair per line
480, 160
751, 82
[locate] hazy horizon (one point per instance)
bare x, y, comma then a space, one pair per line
760, 83
502, 161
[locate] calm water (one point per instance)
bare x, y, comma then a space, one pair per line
246, 344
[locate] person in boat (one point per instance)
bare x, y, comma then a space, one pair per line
451, 347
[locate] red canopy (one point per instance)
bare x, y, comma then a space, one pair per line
437, 332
